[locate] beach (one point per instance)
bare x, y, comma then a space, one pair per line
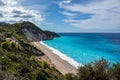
60, 64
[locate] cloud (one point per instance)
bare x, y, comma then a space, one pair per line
62, 2
12, 11
105, 14
50, 23
1, 3
1, 15
66, 1
68, 13
71, 21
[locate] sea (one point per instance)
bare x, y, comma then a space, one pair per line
83, 48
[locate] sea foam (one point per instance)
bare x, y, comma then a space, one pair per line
63, 56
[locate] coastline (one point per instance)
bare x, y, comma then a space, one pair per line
59, 63
63, 56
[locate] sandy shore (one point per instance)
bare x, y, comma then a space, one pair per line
60, 64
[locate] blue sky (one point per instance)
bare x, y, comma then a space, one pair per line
64, 15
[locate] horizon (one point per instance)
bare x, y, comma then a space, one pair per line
59, 39
90, 32
65, 16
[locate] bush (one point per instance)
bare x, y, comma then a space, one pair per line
25, 66
99, 70
7, 46
70, 76
114, 72
95, 71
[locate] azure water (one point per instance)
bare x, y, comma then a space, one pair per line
87, 47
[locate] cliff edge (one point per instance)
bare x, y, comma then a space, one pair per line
34, 33
28, 31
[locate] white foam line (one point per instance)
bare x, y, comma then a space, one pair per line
63, 56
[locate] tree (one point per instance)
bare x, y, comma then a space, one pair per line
70, 76
99, 70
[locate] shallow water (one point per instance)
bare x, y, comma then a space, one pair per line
87, 47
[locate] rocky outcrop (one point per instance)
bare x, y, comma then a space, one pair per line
31, 49
33, 33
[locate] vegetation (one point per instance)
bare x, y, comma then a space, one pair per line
99, 70
25, 66
18, 62
19, 31
14, 29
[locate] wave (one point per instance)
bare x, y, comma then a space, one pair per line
63, 56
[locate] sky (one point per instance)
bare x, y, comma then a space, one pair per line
64, 15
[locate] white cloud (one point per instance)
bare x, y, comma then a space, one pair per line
49, 23
12, 12
106, 14
62, 2
68, 13
71, 21
66, 1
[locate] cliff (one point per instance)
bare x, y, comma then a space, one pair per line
29, 31
19, 60
33, 33
23, 33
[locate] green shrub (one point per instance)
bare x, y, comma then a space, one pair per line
70, 76
6, 45
114, 72
99, 70
25, 66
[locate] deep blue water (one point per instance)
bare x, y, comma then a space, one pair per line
87, 47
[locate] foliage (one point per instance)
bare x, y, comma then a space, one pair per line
71, 76
6, 45
99, 70
114, 72
24, 66
17, 63
14, 29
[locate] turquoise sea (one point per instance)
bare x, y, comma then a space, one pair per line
88, 47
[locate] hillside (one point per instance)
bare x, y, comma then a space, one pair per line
28, 31
18, 59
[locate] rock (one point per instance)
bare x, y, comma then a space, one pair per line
34, 33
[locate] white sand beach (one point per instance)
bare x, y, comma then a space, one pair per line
60, 64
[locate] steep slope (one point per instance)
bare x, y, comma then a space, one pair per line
18, 60
29, 31
33, 33
20, 63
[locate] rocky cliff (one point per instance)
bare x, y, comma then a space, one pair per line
29, 31
33, 33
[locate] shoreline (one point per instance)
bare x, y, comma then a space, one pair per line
59, 63
63, 56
